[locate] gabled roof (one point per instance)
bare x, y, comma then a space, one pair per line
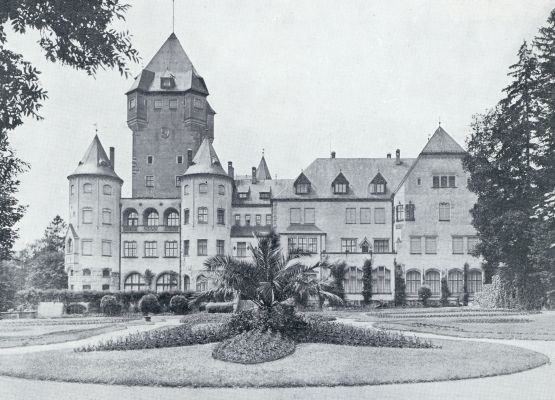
262, 172
340, 179
442, 143
170, 61
95, 162
206, 161
245, 185
378, 179
301, 179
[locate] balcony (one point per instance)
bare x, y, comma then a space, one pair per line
150, 228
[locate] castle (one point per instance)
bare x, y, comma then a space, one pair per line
185, 207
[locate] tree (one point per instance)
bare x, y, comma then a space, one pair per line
400, 285
367, 281
337, 273
445, 292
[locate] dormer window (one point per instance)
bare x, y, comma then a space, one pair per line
264, 195
167, 82
243, 195
378, 184
340, 184
302, 185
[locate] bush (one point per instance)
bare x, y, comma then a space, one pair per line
445, 292
280, 318
400, 286
318, 317
109, 305
149, 304
367, 281
424, 293
254, 347
76, 308
219, 307
179, 304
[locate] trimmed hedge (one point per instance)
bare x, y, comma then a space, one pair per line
219, 307
149, 304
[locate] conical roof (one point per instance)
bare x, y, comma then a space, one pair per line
442, 143
262, 172
95, 162
206, 161
170, 61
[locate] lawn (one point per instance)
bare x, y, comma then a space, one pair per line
309, 365
14, 333
501, 326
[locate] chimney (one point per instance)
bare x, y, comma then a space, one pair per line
189, 157
253, 175
230, 170
398, 157
388, 155
333, 154
113, 157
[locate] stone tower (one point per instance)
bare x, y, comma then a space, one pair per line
168, 113
92, 240
206, 197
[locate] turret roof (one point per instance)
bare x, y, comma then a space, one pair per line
442, 143
262, 172
95, 162
206, 161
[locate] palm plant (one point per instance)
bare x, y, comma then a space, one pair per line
268, 279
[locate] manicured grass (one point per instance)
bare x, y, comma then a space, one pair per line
532, 326
309, 365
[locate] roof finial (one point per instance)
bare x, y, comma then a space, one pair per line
173, 16
262, 151
95, 128
439, 120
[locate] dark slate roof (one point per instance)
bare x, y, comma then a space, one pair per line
244, 185
250, 230
303, 228
358, 171
262, 172
442, 143
340, 179
378, 179
206, 161
95, 162
170, 61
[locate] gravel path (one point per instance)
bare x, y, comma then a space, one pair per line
534, 384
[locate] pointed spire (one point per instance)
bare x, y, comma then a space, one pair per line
263, 172
206, 161
442, 143
95, 162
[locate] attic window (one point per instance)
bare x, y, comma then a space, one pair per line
302, 188
167, 83
264, 195
340, 188
243, 195
377, 188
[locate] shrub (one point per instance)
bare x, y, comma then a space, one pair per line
400, 286
465, 284
149, 304
76, 308
445, 292
424, 293
338, 272
219, 307
179, 304
318, 317
367, 281
280, 318
109, 305
254, 347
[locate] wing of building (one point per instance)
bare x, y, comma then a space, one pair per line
409, 216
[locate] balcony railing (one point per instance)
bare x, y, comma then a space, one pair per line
150, 228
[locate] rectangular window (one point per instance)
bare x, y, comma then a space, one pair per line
431, 245
444, 211
365, 215
381, 245
471, 243
435, 181
157, 104
264, 195
304, 244
173, 104
458, 245
451, 181
177, 181
241, 249
258, 219
130, 249
379, 215
149, 181
302, 188
170, 249
87, 188
400, 213
221, 216
107, 190
350, 215
340, 188
86, 287
186, 216
87, 215
202, 215
179, 159
151, 249
107, 248
185, 248
409, 212
220, 247
86, 247
309, 216
198, 104
237, 219
443, 181
107, 216
203, 188
268, 219
415, 245
295, 215
132, 103
149, 160
202, 247
247, 219
348, 245
243, 195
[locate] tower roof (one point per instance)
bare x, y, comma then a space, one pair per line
442, 143
95, 162
170, 61
262, 172
206, 161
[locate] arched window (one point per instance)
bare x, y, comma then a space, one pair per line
381, 280
202, 283
432, 279
186, 282
474, 281
185, 190
86, 272
69, 247
172, 218
202, 188
166, 282
151, 217
353, 280
134, 282
87, 188
106, 273
202, 215
414, 281
455, 281
130, 217
221, 190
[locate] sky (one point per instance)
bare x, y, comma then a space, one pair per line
293, 77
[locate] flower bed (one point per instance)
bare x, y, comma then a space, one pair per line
254, 347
